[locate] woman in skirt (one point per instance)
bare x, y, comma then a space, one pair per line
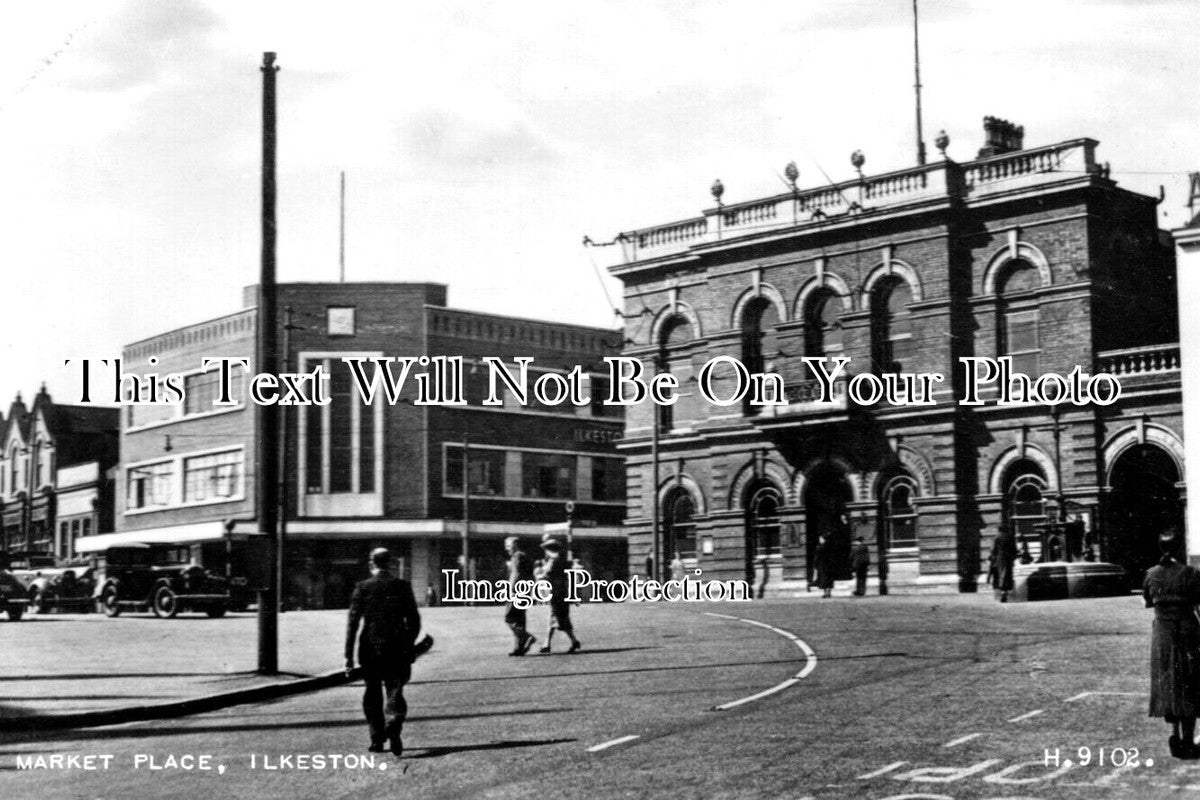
1172, 589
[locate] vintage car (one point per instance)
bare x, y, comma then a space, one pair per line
13, 599
164, 580
52, 584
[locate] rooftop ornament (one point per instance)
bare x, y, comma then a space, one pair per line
717, 189
857, 159
942, 142
792, 173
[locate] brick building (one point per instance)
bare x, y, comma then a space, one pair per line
1030, 253
44, 445
366, 475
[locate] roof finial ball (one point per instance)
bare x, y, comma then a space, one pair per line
942, 142
857, 159
792, 173
717, 190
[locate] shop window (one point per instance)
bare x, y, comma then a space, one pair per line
608, 480
547, 475
486, 472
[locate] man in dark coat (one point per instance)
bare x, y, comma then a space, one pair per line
520, 568
385, 606
1004, 555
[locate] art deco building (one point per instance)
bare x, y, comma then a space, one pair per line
361, 475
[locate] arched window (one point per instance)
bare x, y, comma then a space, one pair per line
1025, 499
891, 332
679, 526
1027, 502
1019, 336
676, 332
822, 324
14, 469
899, 512
762, 521
759, 345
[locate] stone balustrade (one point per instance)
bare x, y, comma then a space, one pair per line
1140, 360
814, 207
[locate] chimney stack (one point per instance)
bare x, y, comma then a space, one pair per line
1001, 136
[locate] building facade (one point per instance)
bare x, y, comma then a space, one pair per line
54, 454
360, 474
1034, 254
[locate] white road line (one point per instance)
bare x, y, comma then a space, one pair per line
962, 739
1027, 716
809, 656
1105, 694
881, 771
613, 743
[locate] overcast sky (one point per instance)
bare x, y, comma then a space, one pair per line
482, 141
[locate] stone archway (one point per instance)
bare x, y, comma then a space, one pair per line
1144, 501
827, 491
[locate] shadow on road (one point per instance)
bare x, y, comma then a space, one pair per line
157, 731
585, 674
102, 676
434, 752
595, 651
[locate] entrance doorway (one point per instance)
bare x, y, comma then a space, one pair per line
1144, 502
826, 494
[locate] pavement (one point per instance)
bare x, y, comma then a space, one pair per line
88, 669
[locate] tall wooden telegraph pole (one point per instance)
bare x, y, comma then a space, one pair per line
266, 476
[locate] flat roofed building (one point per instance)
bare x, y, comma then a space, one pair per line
360, 474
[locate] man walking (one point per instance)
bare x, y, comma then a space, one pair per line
554, 570
520, 568
1004, 551
385, 606
860, 560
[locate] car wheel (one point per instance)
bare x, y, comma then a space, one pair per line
108, 602
39, 603
165, 604
15, 612
215, 611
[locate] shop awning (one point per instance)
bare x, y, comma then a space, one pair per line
173, 534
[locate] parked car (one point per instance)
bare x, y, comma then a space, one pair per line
163, 580
13, 600
50, 583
